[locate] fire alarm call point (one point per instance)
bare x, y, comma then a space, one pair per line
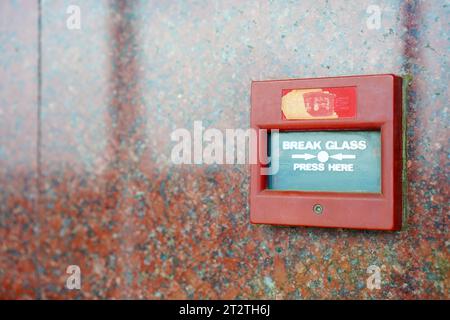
333, 152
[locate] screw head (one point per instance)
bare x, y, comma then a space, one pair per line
317, 209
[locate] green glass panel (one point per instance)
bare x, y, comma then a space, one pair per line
337, 161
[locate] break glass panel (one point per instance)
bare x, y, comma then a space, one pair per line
333, 161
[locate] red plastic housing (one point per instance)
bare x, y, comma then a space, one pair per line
378, 107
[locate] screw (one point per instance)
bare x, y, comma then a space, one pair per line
317, 209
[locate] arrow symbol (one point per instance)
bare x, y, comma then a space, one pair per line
341, 156
305, 156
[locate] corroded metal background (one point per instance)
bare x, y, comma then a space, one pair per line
85, 171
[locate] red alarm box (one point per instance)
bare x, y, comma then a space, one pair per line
335, 147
